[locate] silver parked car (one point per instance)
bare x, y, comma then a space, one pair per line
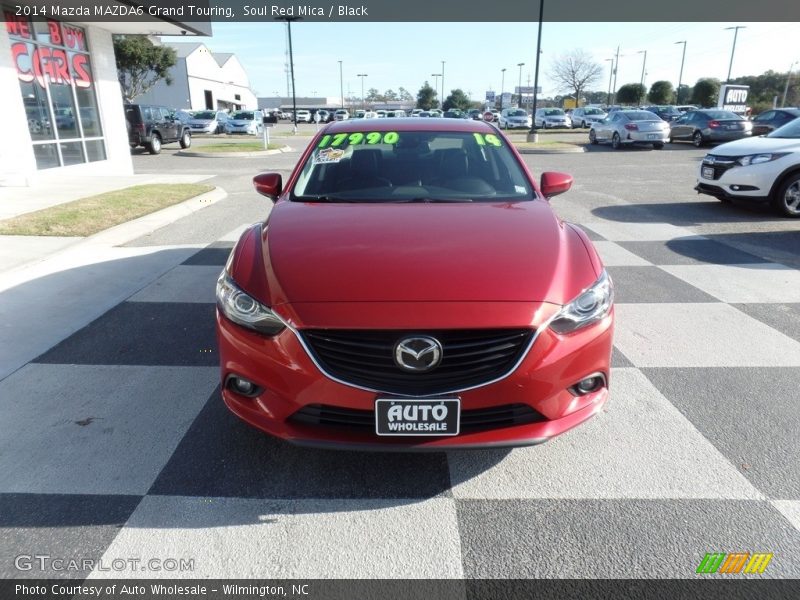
551, 117
709, 125
248, 122
208, 121
585, 116
624, 127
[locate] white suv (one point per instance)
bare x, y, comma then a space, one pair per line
759, 169
341, 115
304, 116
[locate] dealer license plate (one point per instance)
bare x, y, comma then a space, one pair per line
429, 417
708, 173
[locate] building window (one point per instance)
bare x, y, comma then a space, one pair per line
55, 78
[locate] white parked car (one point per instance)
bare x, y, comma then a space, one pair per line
551, 117
303, 116
584, 116
381, 114
513, 118
341, 115
759, 169
245, 121
370, 115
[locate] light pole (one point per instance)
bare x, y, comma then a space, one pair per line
363, 104
341, 83
519, 85
502, 86
735, 34
436, 85
680, 75
786, 89
616, 70
442, 85
291, 67
532, 135
610, 75
641, 82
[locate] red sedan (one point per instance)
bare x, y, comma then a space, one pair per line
413, 289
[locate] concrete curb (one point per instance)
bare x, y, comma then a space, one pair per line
199, 154
576, 150
125, 232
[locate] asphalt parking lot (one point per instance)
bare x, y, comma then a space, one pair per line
697, 451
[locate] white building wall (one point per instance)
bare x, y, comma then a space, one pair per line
16, 153
173, 96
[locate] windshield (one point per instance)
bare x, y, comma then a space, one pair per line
642, 115
592, 111
517, 113
722, 114
553, 112
406, 166
790, 130
242, 115
205, 116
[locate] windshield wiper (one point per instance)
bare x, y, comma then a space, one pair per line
321, 198
435, 200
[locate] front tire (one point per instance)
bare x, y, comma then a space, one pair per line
592, 137
583, 124
787, 200
616, 142
155, 144
697, 139
186, 140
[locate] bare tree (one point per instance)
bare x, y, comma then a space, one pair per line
575, 71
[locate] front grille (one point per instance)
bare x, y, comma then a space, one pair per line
469, 358
481, 419
720, 164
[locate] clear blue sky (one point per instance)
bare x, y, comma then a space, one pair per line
406, 54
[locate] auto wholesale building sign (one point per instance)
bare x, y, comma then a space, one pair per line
733, 98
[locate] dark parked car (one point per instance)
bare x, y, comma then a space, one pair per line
709, 125
151, 126
770, 120
455, 113
666, 112
475, 114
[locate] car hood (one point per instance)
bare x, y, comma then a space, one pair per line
398, 252
757, 145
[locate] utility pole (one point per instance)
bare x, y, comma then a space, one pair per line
436, 85
291, 66
532, 135
442, 84
341, 83
616, 70
502, 86
680, 75
641, 82
786, 89
735, 34
519, 85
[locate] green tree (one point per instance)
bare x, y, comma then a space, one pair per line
391, 96
141, 64
457, 99
630, 93
426, 97
706, 92
404, 95
661, 92
373, 95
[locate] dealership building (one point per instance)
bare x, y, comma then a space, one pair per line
61, 102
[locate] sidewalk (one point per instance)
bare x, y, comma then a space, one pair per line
51, 287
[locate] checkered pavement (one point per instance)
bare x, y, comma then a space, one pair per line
115, 444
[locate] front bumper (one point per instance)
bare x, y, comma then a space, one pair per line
753, 182
290, 381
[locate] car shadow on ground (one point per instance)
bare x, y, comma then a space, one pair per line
685, 214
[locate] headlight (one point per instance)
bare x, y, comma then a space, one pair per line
756, 159
592, 305
245, 310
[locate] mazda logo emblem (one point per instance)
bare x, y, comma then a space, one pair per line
418, 354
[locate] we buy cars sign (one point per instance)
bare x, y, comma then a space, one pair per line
733, 98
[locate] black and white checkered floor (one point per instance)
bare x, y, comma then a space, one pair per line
115, 444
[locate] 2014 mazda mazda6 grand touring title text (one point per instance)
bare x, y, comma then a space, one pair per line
413, 289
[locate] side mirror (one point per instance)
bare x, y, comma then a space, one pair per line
554, 183
269, 185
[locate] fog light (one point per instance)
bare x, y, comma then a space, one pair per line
242, 386
589, 384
